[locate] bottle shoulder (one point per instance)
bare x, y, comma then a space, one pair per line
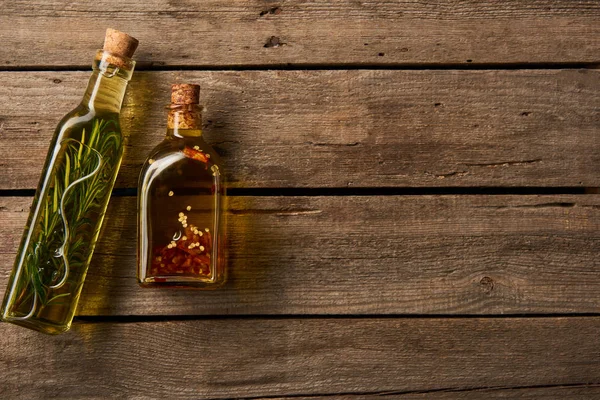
180, 158
194, 148
85, 121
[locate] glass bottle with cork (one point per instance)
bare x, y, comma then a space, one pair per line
71, 198
180, 203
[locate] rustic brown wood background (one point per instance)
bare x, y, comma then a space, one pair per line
414, 206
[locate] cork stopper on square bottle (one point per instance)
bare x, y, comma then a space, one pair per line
119, 48
185, 93
184, 113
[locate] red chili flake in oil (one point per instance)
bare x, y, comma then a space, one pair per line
189, 255
196, 154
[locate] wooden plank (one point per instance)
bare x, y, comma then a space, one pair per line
253, 358
341, 128
263, 32
364, 255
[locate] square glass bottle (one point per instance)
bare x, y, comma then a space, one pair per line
180, 202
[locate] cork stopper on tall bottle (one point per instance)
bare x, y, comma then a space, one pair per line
184, 113
119, 45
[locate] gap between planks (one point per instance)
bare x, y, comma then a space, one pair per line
318, 67
363, 191
124, 319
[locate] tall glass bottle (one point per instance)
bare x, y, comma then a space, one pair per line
71, 198
180, 200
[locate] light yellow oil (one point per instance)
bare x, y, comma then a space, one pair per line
68, 208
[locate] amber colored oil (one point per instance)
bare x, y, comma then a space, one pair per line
180, 209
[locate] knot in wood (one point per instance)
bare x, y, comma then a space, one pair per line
487, 284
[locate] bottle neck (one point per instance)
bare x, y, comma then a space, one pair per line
106, 88
184, 120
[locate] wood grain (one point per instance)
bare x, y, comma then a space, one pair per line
254, 358
365, 128
280, 33
364, 255
319, 286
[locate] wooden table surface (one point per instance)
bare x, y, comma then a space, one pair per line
413, 209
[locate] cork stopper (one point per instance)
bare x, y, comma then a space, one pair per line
184, 111
119, 43
118, 49
185, 93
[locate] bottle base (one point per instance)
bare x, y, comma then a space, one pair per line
177, 283
37, 325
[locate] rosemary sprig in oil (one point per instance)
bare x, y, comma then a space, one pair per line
62, 238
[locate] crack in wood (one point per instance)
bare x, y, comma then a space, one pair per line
504, 163
425, 391
273, 42
489, 165
224, 142
543, 205
448, 175
323, 144
272, 10
282, 212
